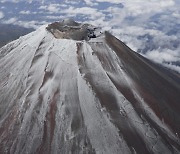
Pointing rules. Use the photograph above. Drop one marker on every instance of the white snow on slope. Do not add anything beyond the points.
(48, 103)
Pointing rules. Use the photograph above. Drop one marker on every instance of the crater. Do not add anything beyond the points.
(70, 29)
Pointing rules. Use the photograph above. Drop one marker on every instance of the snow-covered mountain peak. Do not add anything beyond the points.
(69, 29)
(77, 94)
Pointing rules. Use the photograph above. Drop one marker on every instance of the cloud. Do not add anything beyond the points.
(176, 14)
(25, 12)
(173, 67)
(72, 2)
(110, 1)
(51, 17)
(163, 56)
(13, 1)
(31, 24)
(139, 7)
(90, 2)
(166, 57)
(51, 8)
(92, 13)
(27, 24)
(10, 21)
(17, 1)
(1, 15)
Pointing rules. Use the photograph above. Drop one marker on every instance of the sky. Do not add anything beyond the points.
(150, 27)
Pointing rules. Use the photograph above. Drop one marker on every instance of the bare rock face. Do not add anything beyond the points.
(63, 92)
(69, 29)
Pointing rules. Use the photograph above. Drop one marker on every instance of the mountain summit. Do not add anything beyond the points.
(70, 88)
(69, 29)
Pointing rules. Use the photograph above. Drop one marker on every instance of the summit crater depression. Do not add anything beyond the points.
(69, 29)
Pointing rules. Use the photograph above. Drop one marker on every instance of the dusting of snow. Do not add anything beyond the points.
(60, 96)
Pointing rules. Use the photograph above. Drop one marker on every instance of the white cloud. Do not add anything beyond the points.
(172, 67)
(110, 1)
(13, 1)
(43, 7)
(25, 12)
(92, 13)
(27, 24)
(90, 2)
(176, 14)
(163, 56)
(1, 15)
(72, 2)
(31, 24)
(10, 21)
(51, 8)
(137, 7)
(16, 1)
(58, 18)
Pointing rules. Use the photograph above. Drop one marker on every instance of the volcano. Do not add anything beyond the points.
(71, 88)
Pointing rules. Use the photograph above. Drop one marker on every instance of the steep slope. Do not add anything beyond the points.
(77, 96)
